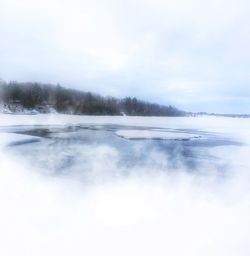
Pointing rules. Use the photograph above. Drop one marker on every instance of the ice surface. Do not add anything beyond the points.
(151, 134)
(236, 126)
(15, 139)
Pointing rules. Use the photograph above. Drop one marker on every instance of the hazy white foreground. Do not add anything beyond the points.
(149, 212)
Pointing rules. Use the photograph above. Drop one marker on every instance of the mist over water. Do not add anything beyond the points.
(83, 190)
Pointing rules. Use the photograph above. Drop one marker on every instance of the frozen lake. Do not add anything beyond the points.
(81, 185)
(69, 149)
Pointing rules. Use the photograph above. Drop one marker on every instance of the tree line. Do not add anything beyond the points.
(42, 97)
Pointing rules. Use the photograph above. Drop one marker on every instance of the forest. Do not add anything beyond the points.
(16, 96)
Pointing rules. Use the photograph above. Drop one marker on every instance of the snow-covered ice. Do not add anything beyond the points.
(151, 134)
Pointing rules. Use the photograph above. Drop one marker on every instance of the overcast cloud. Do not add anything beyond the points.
(193, 54)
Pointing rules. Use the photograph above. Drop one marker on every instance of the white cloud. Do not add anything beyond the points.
(125, 46)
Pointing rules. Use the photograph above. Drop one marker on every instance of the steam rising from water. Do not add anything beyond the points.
(119, 209)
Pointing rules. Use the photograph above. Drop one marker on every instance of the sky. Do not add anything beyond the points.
(189, 53)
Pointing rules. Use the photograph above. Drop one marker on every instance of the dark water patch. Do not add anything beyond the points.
(23, 142)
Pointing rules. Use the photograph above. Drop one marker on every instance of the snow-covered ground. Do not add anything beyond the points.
(151, 211)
